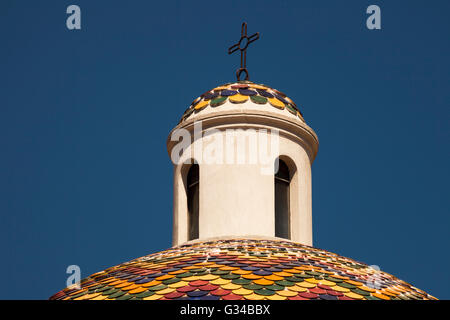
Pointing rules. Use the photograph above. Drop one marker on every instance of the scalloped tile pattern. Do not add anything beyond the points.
(242, 269)
(239, 92)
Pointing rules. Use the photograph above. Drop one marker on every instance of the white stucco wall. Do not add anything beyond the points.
(238, 199)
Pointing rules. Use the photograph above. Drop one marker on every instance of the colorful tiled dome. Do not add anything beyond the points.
(240, 92)
(242, 269)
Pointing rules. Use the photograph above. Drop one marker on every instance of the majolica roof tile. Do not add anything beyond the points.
(242, 269)
(240, 92)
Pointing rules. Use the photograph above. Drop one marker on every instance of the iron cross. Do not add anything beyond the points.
(242, 46)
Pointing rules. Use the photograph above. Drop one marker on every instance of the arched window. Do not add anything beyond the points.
(282, 210)
(192, 198)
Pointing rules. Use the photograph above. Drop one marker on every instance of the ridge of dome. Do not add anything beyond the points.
(242, 269)
(239, 92)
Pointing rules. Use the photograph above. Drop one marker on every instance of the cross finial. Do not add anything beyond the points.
(242, 46)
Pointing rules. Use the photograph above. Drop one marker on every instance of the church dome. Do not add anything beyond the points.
(242, 269)
(242, 96)
(217, 203)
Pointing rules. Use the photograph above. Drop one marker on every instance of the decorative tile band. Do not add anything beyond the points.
(240, 92)
(242, 269)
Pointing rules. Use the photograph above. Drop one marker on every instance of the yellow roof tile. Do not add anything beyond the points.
(388, 293)
(327, 283)
(312, 280)
(149, 284)
(228, 268)
(296, 288)
(107, 280)
(165, 291)
(276, 297)
(283, 274)
(355, 283)
(340, 289)
(208, 277)
(178, 284)
(287, 293)
(353, 295)
(192, 278)
(273, 277)
(339, 277)
(380, 296)
(238, 98)
(366, 288)
(263, 282)
(293, 270)
(90, 296)
(116, 282)
(165, 277)
(190, 268)
(254, 296)
(130, 287)
(220, 281)
(276, 103)
(305, 284)
(230, 286)
(240, 271)
(177, 272)
(201, 105)
(153, 297)
(242, 291)
(138, 290)
(124, 284)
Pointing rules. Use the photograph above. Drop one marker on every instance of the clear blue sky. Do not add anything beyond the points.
(84, 115)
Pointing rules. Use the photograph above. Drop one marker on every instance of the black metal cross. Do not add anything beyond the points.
(242, 46)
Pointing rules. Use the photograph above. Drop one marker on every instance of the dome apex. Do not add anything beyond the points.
(234, 95)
